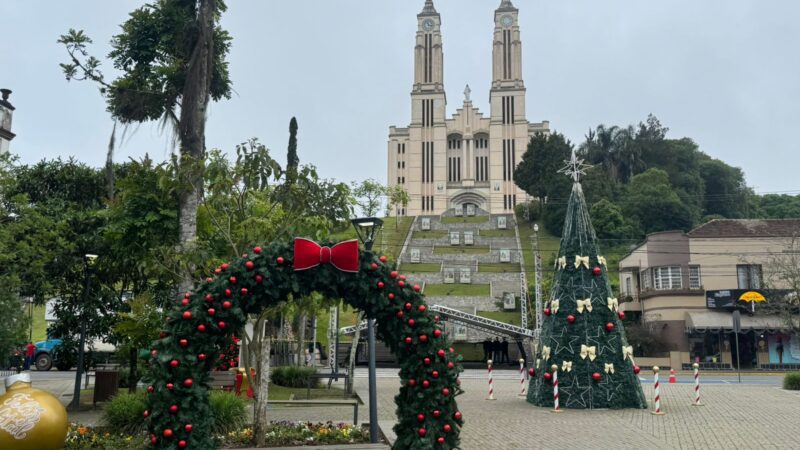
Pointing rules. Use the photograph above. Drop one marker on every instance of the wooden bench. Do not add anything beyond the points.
(225, 381)
(349, 402)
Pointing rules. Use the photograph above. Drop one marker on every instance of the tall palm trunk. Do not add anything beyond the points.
(192, 128)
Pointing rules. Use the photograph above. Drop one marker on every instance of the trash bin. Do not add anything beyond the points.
(106, 384)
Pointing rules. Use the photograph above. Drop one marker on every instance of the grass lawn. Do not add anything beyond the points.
(460, 250)
(502, 316)
(432, 234)
(39, 324)
(465, 290)
(498, 267)
(422, 267)
(498, 233)
(283, 393)
(390, 239)
(475, 219)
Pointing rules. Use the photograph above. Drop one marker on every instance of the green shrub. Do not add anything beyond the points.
(792, 381)
(124, 412)
(228, 410)
(294, 376)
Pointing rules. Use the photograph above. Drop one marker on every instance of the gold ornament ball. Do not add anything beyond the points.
(655, 369)
(30, 419)
(554, 367)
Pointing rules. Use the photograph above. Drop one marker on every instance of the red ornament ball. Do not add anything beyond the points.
(597, 271)
(609, 326)
(228, 293)
(153, 353)
(188, 428)
(173, 409)
(221, 325)
(437, 333)
(226, 305)
(547, 311)
(447, 428)
(391, 296)
(383, 259)
(181, 444)
(209, 280)
(411, 323)
(201, 357)
(146, 413)
(401, 284)
(163, 334)
(450, 365)
(422, 308)
(426, 361)
(436, 413)
(436, 319)
(435, 374)
(422, 432)
(201, 328)
(420, 417)
(232, 280)
(596, 376)
(571, 318)
(209, 298)
(256, 250)
(441, 353)
(174, 363)
(408, 306)
(380, 285)
(168, 433)
(150, 389)
(153, 440)
(393, 274)
(259, 279)
(408, 341)
(187, 315)
(457, 415)
(243, 291)
(637, 369)
(445, 392)
(531, 372)
(249, 265)
(423, 338)
(373, 266)
(399, 314)
(412, 382)
(403, 277)
(280, 260)
(211, 312)
(217, 271)
(184, 343)
(170, 386)
(417, 288)
(621, 315)
(440, 440)
(224, 266)
(188, 382)
(185, 302)
(426, 384)
(547, 376)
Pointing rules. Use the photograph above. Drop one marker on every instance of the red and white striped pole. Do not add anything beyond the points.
(696, 385)
(556, 409)
(521, 378)
(657, 394)
(491, 383)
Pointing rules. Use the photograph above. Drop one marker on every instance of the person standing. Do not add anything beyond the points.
(504, 348)
(496, 350)
(30, 350)
(487, 349)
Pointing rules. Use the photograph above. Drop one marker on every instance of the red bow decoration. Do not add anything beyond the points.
(308, 254)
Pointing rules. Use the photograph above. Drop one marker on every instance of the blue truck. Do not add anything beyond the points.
(46, 354)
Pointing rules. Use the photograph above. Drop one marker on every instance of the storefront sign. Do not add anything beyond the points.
(732, 298)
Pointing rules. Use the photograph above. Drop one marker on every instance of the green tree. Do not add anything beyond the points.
(651, 202)
(725, 189)
(537, 173)
(609, 221)
(369, 196)
(777, 206)
(582, 328)
(398, 198)
(172, 55)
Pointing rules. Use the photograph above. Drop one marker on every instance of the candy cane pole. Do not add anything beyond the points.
(521, 378)
(556, 409)
(657, 394)
(696, 385)
(491, 383)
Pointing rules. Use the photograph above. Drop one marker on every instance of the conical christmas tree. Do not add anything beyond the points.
(582, 332)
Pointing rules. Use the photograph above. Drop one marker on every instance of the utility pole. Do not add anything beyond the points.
(537, 259)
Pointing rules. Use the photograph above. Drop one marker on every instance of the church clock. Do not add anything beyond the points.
(507, 21)
(428, 25)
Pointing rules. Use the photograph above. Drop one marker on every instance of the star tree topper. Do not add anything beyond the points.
(575, 167)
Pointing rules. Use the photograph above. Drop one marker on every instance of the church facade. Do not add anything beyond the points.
(465, 161)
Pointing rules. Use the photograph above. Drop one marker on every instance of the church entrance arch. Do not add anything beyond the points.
(202, 324)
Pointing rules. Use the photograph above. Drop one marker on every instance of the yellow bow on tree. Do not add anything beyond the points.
(610, 368)
(602, 260)
(584, 304)
(613, 304)
(627, 352)
(566, 366)
(546, 352)
(581, 260)
(561, 262)
(591, 352)
(554, 306)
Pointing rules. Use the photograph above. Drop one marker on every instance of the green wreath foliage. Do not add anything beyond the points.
(200, 327)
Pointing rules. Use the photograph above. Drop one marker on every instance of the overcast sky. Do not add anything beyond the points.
(725, 73)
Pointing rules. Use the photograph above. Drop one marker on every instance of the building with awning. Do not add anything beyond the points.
(683, 287)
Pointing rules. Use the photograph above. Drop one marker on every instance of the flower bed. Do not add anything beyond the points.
(286, 433)
(80, 437)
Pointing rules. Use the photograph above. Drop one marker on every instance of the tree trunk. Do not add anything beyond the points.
(301, 340)
(192, 129)
(260, 419)
(132, 375)
(351, 366)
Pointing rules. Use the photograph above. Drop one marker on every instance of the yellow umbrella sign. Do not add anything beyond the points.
(752, 297)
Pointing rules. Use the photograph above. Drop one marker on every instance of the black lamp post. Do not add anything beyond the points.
(88, 268)
(366, 229)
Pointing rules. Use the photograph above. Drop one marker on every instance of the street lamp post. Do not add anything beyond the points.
(88, 265)
(366, 229)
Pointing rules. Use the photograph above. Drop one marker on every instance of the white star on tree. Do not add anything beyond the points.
(575, 167)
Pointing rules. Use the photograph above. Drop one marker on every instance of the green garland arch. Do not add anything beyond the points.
(202, 323)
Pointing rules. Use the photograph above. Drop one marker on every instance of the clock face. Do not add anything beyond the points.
(428, 25)
(507, 21)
